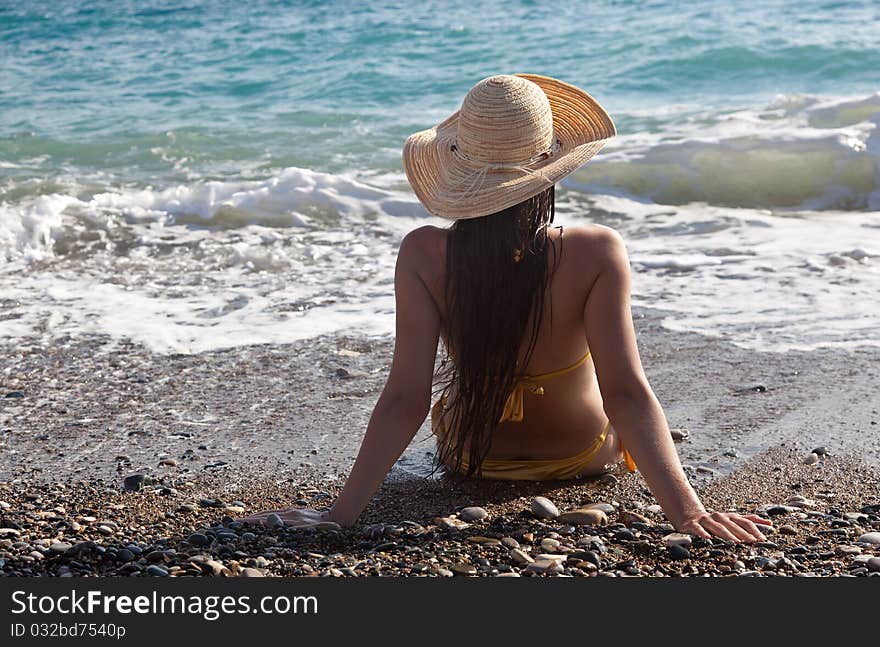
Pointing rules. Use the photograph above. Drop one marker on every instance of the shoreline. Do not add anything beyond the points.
(88, 412)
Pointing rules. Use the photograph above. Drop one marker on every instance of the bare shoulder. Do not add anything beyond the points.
(423, 249)
(596, 245)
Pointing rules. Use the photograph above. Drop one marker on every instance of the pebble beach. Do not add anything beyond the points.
(826, 522)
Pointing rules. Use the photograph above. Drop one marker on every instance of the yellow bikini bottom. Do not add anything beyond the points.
(532, 469)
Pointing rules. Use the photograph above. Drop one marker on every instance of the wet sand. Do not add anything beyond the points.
(85, 412)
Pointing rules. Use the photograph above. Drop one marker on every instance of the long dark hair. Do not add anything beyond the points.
(490, 300)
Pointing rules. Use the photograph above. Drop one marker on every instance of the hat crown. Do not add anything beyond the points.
(504, 119)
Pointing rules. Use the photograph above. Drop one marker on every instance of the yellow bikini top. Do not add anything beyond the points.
(513, 408)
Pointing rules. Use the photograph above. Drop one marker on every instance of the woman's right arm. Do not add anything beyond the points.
(630, 402)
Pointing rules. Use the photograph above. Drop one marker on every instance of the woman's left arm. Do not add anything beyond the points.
(405, 399)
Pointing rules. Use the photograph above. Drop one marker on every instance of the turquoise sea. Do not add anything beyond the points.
(210, 173)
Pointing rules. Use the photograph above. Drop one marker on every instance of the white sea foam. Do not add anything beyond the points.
(758, 279)
(31, 229)
(204, 265)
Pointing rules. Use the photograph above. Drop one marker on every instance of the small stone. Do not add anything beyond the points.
(464, 569)
(775, 510)
(125, 555)
(801, 502)
(233, 509)
(444, 572)
(820, 451)
(198, 539)
(546, 566)
(624, 535)
(786, 529)
(550, 545)
(60, 547)
(9, 532)
(15, 394)
(134, 482)
(510, 542)
(677, 539)
(274, 520)
(627, 518)
(857, 517)
(473, 513)
(677, 551)
(168, 462)
(510, 574)
(520, 557)
(870, 538)
(654, 509)
(608, 479)
(157, 571)
(679, 434)
(451, 523)
(217, 568)
(251, 572)
(585, 517)
(484, 541)
(543, 508)
(873, 564)
(811, 459)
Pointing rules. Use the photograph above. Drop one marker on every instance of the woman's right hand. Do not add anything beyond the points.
(726, 525)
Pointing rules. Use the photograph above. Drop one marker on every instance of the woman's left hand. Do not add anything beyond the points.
(294, 517)
(726, 525)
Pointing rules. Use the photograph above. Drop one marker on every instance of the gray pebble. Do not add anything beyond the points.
(464, 569)
(134, 482)
(60, 547)
(274, 521)
(157, 571)
(520, 557)
(251, 572)
(473, 513)
(198, 539)
(677, 551)
(543, 508)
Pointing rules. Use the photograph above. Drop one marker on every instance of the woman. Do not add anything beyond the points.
(542, 378)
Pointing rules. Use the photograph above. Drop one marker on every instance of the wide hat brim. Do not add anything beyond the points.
(447, 185)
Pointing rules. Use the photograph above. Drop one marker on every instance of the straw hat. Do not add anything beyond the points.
(514, 136)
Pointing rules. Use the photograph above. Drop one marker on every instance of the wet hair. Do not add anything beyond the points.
(491, 298)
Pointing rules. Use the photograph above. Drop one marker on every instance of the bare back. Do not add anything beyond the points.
(569, 415)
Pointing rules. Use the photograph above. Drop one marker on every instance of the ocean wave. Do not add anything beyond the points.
(37, 227)
(798, 153)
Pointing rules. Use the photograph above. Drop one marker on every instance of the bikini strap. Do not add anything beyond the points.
(540, 376)
(513, 406)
